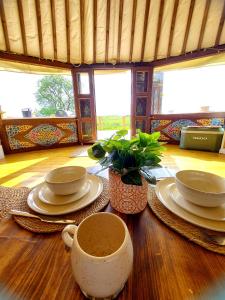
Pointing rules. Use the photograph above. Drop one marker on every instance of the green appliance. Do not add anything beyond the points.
(206, 138)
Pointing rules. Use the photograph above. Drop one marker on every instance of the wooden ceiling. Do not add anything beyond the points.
(110, 31)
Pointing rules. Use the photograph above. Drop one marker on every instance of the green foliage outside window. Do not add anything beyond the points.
(55, 94)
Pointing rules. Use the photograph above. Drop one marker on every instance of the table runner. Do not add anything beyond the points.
(16, 198)
(192, 232)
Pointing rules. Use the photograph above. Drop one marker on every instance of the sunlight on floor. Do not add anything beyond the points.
(29, 168)
(10, 167)
(25, 177)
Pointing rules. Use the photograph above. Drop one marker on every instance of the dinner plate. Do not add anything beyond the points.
(163, 193)
(47, 196)
(212, 213)
(33, 201)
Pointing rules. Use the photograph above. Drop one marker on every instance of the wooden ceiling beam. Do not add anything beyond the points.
(120, 29)
(107, 31)
(95, 8)
(147, 6)
(204, 20)
(34, 60)
(189, 56)
(54, 28)
(190, 14)
(166, 61)
(4, 25)
(159, 28)
(173, 23)
(22, 26)
(81, 31)
(38, 14)
(132, 29)
(67, 12)
(220, 28)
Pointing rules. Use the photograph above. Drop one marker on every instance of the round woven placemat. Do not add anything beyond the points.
(191, 232)
(16, 198)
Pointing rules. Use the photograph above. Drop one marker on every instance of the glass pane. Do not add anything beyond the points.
(85, 108)
(83, 83)
(87, 130)
(35, 95)
(140, 124)
(157, 92)
(141, 81)
(141, 106)
(194, 90)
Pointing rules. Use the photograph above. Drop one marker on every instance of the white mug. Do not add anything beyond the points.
(102, 254)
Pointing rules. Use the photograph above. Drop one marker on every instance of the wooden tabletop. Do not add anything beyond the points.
(166, 265)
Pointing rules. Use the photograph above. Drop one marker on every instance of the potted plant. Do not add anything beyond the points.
(127, 161)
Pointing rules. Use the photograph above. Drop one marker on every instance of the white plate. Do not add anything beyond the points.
(212, 213)
(37, 205)
(163, 193)
(47, 196)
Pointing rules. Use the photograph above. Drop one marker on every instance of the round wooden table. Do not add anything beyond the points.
(166, 265)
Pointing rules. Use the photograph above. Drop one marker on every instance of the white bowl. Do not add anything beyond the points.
(201, 188)
(66, 180)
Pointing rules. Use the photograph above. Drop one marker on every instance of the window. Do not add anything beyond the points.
(189, 90)
(24, 95)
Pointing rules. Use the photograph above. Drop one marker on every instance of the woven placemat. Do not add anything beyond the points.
(16, 198)
(191, 232)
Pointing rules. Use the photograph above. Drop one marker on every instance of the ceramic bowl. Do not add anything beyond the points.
(201, 188)
(66, 180)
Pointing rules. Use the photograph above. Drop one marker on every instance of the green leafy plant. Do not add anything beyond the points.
(129, 158)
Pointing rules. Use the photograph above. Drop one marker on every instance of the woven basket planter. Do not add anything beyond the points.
(125, 198)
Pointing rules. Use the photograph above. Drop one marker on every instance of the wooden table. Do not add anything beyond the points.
(166, 265)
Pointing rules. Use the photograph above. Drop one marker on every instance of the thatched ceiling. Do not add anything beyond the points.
(110, 31)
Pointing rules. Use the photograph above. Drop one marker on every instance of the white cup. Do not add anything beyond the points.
(102, 254)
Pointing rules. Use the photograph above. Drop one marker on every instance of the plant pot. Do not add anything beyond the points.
(125, 198)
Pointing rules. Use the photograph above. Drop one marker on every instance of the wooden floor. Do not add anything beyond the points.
(28, 169)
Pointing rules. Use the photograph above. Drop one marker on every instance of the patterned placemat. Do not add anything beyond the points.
(191, 232)
(16, 198)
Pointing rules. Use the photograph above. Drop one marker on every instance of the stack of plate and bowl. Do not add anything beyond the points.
(195, 196)
(65, 190)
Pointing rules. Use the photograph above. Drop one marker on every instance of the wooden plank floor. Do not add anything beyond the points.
(29, 168)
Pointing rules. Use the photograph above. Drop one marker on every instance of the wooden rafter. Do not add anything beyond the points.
(4, 25)
(54, 28)
(82, 31)
(94, 29)
(220, 28)
(190, 14)
(159, 28)
(67, 10)
(120, 29)
(132, 29)
(147, 5)
(22, 26)
(204, 20)
(107, 31)
(173, 22)
(38, 14)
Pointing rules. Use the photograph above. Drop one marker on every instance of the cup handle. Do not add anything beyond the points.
(67, 232)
